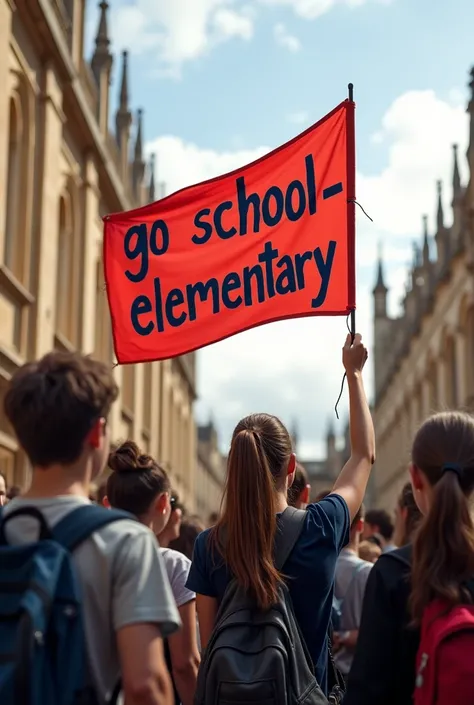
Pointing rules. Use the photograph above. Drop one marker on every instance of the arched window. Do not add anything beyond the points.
(450, 374)
(433, 387)
(103, 330)
(69, 263)
(469, 372)
(15, 241)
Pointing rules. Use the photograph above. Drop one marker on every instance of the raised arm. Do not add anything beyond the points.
(352, 481)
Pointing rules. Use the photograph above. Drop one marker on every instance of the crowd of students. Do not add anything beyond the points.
(171, 609)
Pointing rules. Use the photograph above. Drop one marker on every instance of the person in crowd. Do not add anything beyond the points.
(171, 529)
(190, 529)
(369, 551)
(378, 522)
(407, 517)
(3, 490)
(213, 519)
(351, 577)
(322, 494)
(140, 486)
(13, 492)
(300, 491)
(58, 407)
(404, 582)
(260, 468)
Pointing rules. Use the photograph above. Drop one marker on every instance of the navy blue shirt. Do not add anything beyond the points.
(310, 567)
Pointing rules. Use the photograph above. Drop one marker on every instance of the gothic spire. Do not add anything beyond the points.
(470, 110)
(151, 186)
(440, 214)
(138, 166)
(426, 243)
(330, 435)
(123, 104)
(123, 118)
(416, 255)
(101, 56)
(380, 283)
(139, 138)
(456, 175)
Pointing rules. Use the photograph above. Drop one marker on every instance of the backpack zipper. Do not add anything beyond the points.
(419, 675)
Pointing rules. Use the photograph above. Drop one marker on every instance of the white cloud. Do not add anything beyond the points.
(176, 31)
(173, 32)
(299, 117)
(285, 39)
(313, 9)
(292, 368)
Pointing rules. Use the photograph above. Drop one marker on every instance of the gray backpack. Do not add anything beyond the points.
(256, 657)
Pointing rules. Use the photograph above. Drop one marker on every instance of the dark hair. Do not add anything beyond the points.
(176, 504)
(102, 491)
(299, 484)
(136, 480)
(258, 458)
(413, 514)
(443, 547)
(376, 539)
(190, 529)
(382, 519)
(322, 494)
(53, 404)
(213, 518)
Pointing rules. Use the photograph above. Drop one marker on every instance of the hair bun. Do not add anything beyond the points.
(128, 457)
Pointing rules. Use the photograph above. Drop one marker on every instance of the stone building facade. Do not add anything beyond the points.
(61, 169)
(424, 359)
(323, 473)
(210, 472)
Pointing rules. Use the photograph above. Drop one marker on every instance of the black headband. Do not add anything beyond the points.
(453, 467)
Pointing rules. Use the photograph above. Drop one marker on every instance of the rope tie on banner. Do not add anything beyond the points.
(352, 200)
(351, 316)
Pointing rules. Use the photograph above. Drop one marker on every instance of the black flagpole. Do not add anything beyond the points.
(350, 88)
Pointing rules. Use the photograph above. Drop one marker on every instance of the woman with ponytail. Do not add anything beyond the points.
(140, 486)
(428, 577)
(260, 469)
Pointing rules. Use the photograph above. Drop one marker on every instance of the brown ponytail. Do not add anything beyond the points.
(244, 535)
(443, 548)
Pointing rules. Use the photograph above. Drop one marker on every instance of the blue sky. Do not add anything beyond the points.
(223, 81)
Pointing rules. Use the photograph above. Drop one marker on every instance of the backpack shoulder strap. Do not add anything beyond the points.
(79, 524)
(290, 528)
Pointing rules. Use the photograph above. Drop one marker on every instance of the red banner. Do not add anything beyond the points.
(269, 241)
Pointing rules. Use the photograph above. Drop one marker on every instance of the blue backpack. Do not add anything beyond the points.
(43, 658)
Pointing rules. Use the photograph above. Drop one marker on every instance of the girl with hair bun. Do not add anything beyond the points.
(260, 469)
(139, 485)
(415, 592)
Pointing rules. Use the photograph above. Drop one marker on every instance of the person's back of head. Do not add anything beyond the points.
(173, 526)
(379, 521)
(300, 490)
(139, 485)
(190, 529)
(3, 489)
(259, 464)
(58, 407)
(442, 473)
(408, 516)
(213, 519)
(13, 492)
(369, 551)
(322, 494)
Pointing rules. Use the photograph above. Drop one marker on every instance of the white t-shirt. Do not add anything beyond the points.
(123, 580)
(178, 566)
